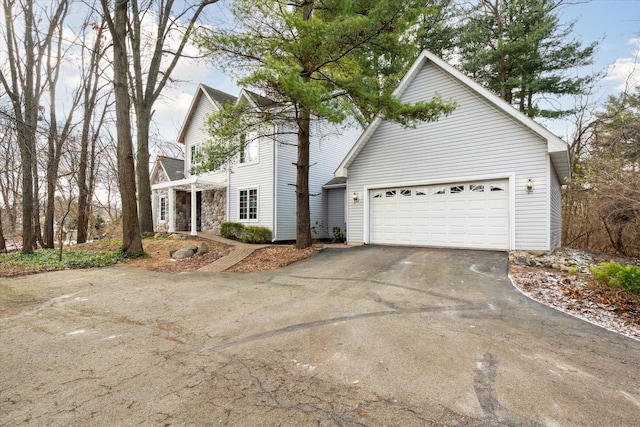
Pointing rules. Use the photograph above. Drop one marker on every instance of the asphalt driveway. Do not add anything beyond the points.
(361, 336)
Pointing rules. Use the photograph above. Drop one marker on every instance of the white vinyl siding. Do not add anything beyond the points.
(556, 211)
(475, 140)
(336, 210)
(254, 175)
(329, 146)
(285, 188)
(196, 133)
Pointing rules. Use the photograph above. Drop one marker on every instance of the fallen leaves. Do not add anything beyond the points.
(272, 258)
(579, 295)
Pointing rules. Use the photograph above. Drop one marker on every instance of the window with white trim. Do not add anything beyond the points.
(248, 208)
(249, 149)
(162, 209)
(194, 157)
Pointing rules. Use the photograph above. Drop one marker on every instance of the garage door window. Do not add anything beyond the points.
(377, 195)
(439, 190)
(390, 193)
(476, 188)
(496, 187)
(457, 189)
(405, 192)
(421, 192)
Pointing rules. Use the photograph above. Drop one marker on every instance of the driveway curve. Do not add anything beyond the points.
(364, 336)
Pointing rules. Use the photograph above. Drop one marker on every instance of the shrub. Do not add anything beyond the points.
(613, 274)
(256, 234)
(231, 230)
(338, 235)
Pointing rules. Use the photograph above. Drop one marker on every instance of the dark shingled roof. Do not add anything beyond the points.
(259, 99)
(336, 181)
(218, 96)
(173, 167)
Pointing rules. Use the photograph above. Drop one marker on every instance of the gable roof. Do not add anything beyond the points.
(258, 100)
(173, 168)
(556, 147)
(215, 96)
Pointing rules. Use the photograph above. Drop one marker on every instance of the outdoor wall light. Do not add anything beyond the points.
(354, 197)
(529, 186)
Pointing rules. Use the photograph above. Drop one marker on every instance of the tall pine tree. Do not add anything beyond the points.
(520, 50)
(316, 58)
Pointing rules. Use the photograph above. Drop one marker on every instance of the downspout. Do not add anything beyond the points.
(275, 184)
(228, 193)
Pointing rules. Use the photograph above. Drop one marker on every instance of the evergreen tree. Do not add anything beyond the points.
(315, 59)
(520, 50)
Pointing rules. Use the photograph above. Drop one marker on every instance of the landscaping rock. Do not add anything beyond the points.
(183, 253)
(203, 248)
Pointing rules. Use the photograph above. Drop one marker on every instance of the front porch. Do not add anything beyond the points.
(197, 203)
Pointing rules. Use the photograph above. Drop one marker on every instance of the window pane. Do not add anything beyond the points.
(243, 204)
(253, 204)
(405, 192)
(457, 189)
(390, 193)
(248, 149)
(248, 204)
(477, 188)
(163, 208)
(439, 190)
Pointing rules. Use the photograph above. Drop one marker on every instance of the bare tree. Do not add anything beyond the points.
(131, 238)
(93, 119)
(58, 134)
(10, 172)
(23, 78)
(151, 72)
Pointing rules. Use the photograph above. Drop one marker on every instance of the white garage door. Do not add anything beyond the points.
(462, 215)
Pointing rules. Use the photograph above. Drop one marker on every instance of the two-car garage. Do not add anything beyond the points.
(462, 214)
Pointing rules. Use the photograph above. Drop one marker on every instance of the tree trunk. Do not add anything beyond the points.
(303, 213)
(143, 118)
(24, 138)
(3, 243)
(37, 228)
(53, 163)
(131, 239)
(83, 190)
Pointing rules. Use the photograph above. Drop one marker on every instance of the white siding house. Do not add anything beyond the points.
(484, 177)
(257, 188)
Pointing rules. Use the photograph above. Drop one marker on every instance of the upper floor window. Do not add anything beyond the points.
(195, 156)
(248, 149)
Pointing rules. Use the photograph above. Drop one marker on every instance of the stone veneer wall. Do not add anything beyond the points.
(214, 210)
(183, 211)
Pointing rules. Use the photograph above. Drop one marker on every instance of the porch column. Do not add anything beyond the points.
(154, 209)
(194, 210)
(171, 206)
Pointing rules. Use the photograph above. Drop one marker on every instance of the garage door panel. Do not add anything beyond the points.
(453, 215)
